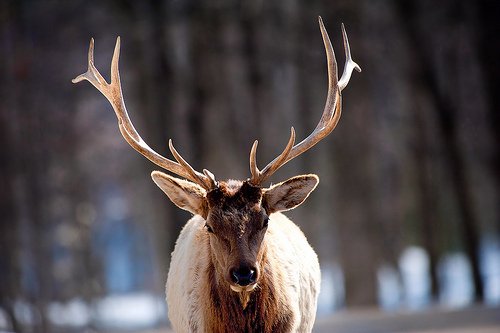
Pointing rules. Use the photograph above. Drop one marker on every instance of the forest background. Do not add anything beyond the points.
(407, 213)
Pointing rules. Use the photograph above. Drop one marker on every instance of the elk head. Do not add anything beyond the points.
(236, 213)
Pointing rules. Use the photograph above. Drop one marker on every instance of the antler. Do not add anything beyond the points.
(113, 92)
(328, 121)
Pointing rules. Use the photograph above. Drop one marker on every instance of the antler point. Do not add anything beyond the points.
(118, 42)
(77, 79)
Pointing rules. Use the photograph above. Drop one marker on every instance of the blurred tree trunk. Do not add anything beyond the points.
(427, 197)
(22, 183)
(489, 50)
(10, 245)
(39, 231)
(426, 79)
(10, 288)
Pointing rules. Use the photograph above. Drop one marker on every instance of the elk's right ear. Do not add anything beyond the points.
(184, 194)
(289, 194)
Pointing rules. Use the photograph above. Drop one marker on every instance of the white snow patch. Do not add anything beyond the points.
(74, 313)
(455, 279)
(129, 311)
(414, 266)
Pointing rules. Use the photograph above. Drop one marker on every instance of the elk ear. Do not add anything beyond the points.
(184, 194)
(289, 194)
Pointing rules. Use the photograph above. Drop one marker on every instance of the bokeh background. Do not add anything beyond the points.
(407, 213)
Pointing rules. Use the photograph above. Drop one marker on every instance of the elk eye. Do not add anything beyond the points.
(209, 228)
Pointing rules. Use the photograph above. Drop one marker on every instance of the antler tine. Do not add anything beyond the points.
(254, 170)
(113, 92)
(270, 168)
(350, 65)
(92, 74)
(207, 178)
(329, 118)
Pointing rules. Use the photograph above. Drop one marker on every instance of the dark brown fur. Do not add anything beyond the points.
(236, 206)
(234, 194)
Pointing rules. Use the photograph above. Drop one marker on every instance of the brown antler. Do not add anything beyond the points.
(328, 121)
(113, 92)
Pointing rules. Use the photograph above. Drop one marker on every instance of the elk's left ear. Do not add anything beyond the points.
(289, 194)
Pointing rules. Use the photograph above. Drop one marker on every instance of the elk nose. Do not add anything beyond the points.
(243, 275)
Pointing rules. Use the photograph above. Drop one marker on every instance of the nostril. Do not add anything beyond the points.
(251, 276)
(243, 275)
(234, 276)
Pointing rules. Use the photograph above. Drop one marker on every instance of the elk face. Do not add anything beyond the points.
(237, 218)
(236, 225)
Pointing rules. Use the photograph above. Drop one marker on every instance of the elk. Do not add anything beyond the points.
(239, 264)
